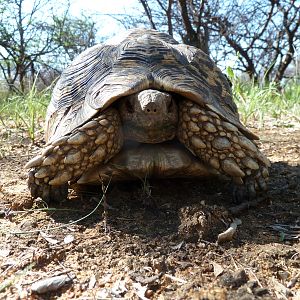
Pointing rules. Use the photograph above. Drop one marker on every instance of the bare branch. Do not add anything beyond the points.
(148, 13)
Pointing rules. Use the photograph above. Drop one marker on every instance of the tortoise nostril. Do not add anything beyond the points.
(151, 110)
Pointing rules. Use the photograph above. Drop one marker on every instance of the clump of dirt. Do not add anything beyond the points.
(200, 221)
(157, 242)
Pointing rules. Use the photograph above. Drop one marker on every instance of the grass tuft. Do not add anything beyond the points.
(24, 112)
(259, 102)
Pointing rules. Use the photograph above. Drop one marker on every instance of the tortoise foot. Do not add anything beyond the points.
(66, 159)
(246, 191)
(224, 147)
(49, 193)
(250, 186)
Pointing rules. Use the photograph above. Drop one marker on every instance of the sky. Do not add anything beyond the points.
(103, 6)
(107, 26)
(99, 10)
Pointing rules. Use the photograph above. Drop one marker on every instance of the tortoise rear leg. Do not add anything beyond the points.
(223, 147)
(67, 158)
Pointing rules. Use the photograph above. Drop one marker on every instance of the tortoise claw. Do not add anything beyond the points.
(243, 193)
(49, 193)
(249, 190)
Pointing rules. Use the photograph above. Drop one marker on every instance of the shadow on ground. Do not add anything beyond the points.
(155, 210)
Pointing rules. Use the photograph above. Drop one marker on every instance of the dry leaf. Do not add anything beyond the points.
(119, 288)
(4, 252)
(48, 238)
(68, 239)
(92, 281)
(50, 284)
(218, 269)
(178, 246)
(280, 289)
(140, 290)
(180, 280)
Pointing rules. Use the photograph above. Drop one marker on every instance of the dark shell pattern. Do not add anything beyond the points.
(142, 59)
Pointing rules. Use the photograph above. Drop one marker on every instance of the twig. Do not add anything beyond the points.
(7, 212)
(227, 235)
(254, 275)
(176, 279)
(105, 206)
(236, 210)
(293, 281)
(8, 282)
(65, 225)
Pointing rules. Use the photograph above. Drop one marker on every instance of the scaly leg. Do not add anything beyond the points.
(67, 158)
(224, 147)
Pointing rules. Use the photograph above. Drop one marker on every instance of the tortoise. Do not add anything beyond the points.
(140, 106)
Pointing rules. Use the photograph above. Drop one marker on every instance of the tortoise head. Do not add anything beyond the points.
(149, 116)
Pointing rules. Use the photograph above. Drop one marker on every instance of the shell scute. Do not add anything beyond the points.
(140, 60)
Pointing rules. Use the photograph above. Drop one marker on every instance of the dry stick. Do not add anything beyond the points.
(246, 268)
(293, 281)
(182, 281)
(254, 275)
(71, 223)
(236, 210)
(236, 265)
(8, 282)
(105, 206)
(8, 212)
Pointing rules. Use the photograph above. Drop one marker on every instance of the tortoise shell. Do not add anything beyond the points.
(142, 59)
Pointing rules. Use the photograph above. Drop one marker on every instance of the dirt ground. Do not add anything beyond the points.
(157, 240)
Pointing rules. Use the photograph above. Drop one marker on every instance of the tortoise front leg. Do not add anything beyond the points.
(67, 158)
(223, 147)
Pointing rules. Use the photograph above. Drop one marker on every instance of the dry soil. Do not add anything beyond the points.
(157, 240)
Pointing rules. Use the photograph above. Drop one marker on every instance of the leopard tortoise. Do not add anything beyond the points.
(144, 106)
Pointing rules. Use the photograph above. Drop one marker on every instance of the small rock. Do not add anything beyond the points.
(244, 293)
(209, 127)
(103, 294)
(4, 252)
(79, 248)
(159, 264)
(148, 293)
(252, 284)
(260, 291)
(50, 284)
(283, 275)
(235, 279)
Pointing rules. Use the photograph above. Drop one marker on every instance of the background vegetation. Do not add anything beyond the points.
(259, 39)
